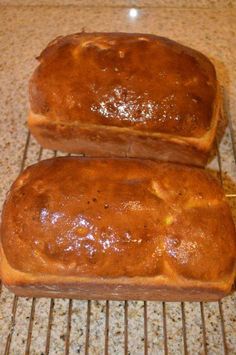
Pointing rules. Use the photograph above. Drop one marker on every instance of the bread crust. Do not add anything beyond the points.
(77, 106)
(137, 288)
(117, 229)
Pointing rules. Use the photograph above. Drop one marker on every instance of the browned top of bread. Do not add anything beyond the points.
(118, 217)
(142, 81)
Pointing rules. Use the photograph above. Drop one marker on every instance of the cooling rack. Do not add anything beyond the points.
(223, 343)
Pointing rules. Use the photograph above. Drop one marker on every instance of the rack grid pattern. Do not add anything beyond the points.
(106, 331)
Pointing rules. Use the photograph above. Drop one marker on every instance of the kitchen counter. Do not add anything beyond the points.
(24, 32)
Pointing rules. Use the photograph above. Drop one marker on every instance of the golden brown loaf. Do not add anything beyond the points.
(117, 229)
(120, 94)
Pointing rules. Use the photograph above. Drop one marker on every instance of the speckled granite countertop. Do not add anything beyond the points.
(24, 31)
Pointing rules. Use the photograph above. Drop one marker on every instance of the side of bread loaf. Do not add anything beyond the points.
(117, 229)
(120, 94)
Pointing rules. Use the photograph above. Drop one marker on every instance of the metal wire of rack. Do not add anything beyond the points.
(69, 310)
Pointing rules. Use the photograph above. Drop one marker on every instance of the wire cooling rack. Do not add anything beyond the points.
(222, 342)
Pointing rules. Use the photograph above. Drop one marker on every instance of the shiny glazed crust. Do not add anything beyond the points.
(117, 229)
(132, 95)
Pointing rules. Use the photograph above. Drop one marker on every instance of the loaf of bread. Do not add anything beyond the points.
(125, 95)
(117, 229)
